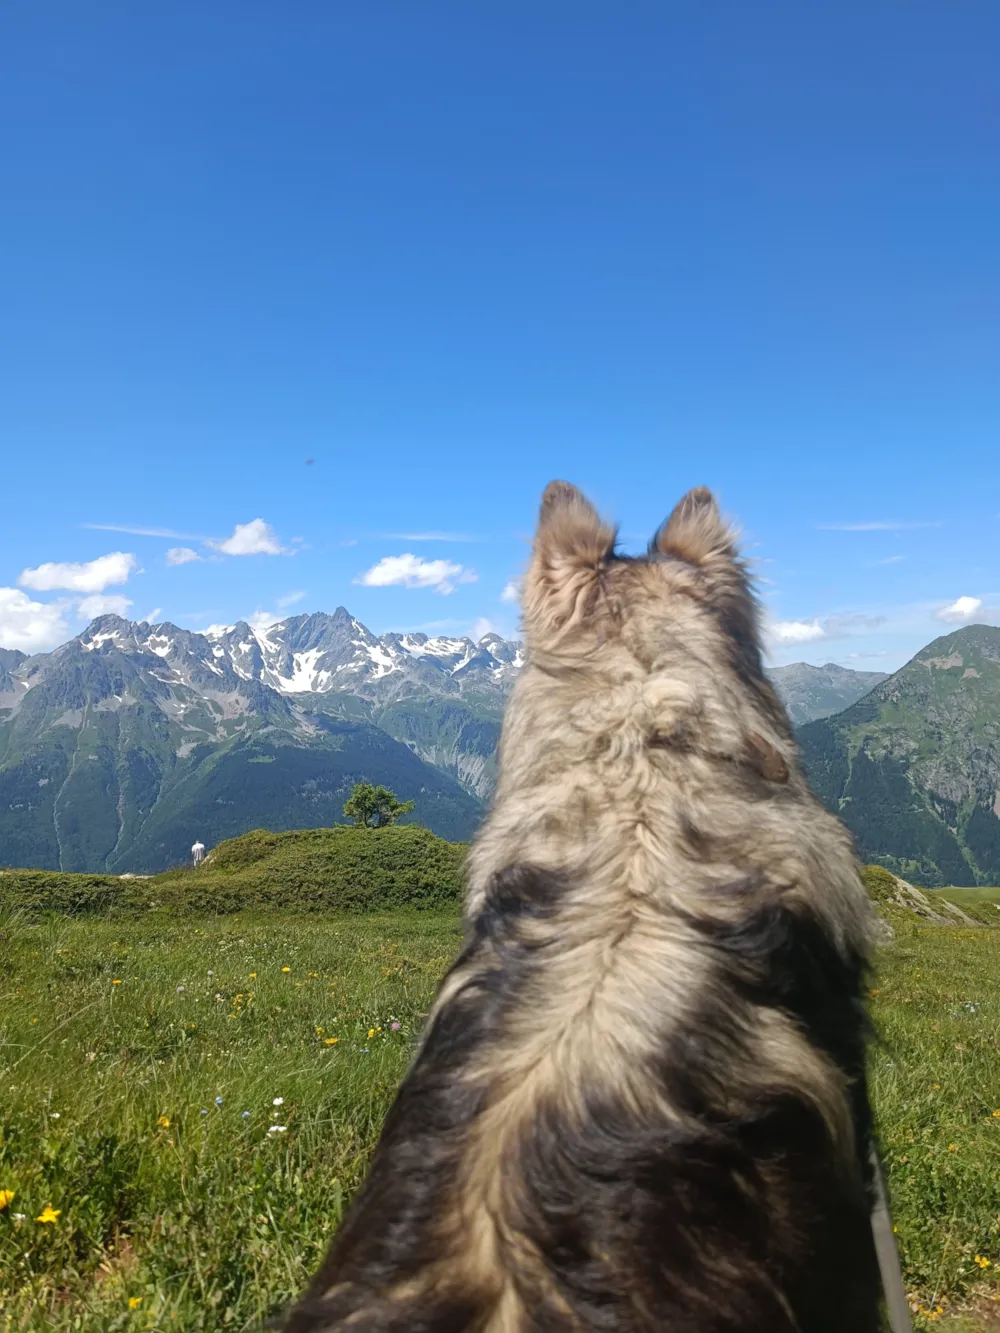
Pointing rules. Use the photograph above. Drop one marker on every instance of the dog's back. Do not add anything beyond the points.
(640, 1100)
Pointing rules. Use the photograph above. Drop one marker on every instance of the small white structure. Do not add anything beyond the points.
(198, 853)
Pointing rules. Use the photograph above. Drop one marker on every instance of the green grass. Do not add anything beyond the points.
(936, 1087)
(982, 894)
(214, 1222)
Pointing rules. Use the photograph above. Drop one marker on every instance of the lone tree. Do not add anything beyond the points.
(374, 807)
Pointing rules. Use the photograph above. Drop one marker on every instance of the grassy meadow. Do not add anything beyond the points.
(191, 1102)
(187, 1103)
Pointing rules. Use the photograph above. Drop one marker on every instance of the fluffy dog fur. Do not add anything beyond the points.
(640, 1100)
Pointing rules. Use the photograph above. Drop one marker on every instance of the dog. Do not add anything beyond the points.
(640, 1100)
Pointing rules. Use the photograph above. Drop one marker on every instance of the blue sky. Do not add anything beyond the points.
(448, 252)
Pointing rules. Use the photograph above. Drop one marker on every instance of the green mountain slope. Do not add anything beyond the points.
(914, 767)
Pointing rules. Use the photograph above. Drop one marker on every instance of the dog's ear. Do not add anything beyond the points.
(697, 533)
(572, 544)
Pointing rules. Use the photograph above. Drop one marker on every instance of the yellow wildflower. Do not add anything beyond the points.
(331, 1041)
(48, 1214)
(116, 982)
(5, 1198)
(982, 1261)
(953, 1147)
(253, 976)
(286, 969)
(996, 1115)
(164, 1122)
(936, 1087)
(134, 1302)
(371, 1033)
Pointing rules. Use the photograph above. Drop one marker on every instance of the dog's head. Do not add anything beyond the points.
(577, 582)
(678, 625)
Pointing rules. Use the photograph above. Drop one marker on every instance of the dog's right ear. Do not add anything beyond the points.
(696, 532)
(572, 545)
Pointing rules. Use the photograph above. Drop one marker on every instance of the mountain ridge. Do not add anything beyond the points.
(123, 744)
(913, 768)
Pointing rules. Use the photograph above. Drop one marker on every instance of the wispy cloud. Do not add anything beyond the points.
(135, 531)
(182, 555)
(151, 616)
(891, 560)
(263, 619)
(91, 577)
(103, 604)
(428, 537)
(959, 611)
(253, 538)
(289, 599)
(879, 525)
(840, 626)
(410, 571)
(511, 592)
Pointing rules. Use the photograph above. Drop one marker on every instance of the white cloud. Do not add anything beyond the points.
(181, 555)
(480, 628)
(94, 576)
(891, 560)
(511, 592)
(103, 604)
(958, 611)
(34, 627)
(410, 571)
(263, 619)
(795, 631)
(150, 616)
(142, 532)
(879, 525)
(289, 599)
(253, 538)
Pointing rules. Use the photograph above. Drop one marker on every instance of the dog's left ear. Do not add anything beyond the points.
(572, 544)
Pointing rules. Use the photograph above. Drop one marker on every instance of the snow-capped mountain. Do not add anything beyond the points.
(311, 654)
(118, 744)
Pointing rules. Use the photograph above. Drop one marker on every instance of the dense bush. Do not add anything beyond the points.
(339, 869)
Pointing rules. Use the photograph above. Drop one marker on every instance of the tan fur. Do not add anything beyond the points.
(639, 758)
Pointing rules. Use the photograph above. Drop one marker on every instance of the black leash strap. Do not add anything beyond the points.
(896, 1304)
